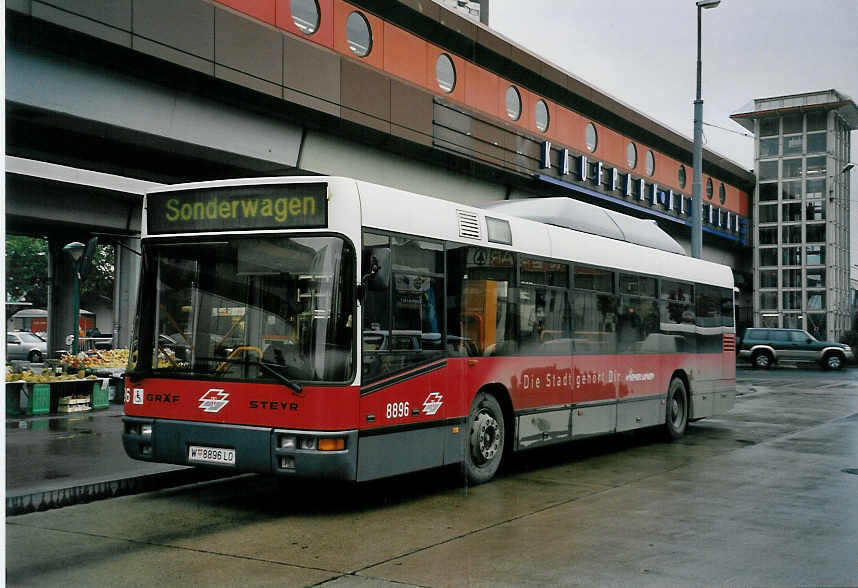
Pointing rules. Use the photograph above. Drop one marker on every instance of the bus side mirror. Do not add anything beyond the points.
(378, 274)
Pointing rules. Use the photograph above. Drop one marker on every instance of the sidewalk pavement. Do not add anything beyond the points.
(58, 460)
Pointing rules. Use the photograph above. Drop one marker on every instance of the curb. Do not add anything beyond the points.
(26, 501)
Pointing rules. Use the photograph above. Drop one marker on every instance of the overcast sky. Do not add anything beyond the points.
(644, 52)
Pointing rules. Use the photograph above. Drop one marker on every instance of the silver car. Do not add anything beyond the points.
(25, 345)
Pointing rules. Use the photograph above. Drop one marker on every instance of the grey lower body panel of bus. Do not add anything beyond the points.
(563, 423)
(256, 448)
(367, 456)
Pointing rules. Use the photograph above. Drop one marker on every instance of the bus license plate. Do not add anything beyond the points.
(216, 455)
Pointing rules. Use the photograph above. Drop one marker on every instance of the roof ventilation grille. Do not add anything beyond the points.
(469, 225)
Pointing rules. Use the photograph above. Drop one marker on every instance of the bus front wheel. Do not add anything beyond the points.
(677, 409)
(486, 439)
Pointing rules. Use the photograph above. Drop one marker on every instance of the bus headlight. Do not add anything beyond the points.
(146, 430)
(287, 442)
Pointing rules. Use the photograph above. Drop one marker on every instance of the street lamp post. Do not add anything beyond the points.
(75, 250)
(697, 161)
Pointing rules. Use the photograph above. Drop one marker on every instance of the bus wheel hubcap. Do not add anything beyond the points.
(485, 439)
(675, 411)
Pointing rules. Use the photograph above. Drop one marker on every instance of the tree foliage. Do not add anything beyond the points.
(27, 272)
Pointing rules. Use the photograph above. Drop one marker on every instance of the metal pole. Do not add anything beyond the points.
(76, 304)
(697, 160)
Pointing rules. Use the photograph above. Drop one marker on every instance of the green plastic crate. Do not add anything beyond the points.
(99, 395)
(40, 399)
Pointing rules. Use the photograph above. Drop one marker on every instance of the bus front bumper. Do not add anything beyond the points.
(264, 450)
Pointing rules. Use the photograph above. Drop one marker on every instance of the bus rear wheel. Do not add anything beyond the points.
(676, 419)
(486, 439)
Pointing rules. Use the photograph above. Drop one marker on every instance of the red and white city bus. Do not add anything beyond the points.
(328, 327)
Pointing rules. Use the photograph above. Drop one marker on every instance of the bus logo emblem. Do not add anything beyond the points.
(432, 403)
(214, 400)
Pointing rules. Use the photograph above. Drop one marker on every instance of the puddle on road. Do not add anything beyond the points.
(76, 427)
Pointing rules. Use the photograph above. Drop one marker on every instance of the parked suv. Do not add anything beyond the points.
(764, 347)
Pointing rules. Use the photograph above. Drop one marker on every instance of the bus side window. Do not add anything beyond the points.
(376, 313)
(481, 306)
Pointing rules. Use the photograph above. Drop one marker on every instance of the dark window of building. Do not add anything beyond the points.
(632, 156)
(358, 34)
(791, 213)
(709, 188)
(769, 147)
(816, 142)
(816, 325)
(769, 127)
(792, 145)
(791, 234)
(768, 170)
(769, 300)
(815, 167)
(815, 210)
(791, 190)
(815, 255)
(769, 279)
(792, 278)
(768, 256)
(791, 255)
(769, 236)
(650, 163)
(792, 124)
(816, 121)
(682, 177)
(816, 300)
(792, 168)
(445, 73)
(305, 15)
(768, 192)
(815, 188)
(815, 233)
(513, 103)
(792, 300)
(816, 278)
(541, 115)
(591, 137)
(769, 213)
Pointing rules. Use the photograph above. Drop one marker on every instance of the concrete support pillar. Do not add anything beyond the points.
(127, 279)
(60, 284)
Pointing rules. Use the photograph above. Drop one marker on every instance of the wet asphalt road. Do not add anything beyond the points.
(766, 495)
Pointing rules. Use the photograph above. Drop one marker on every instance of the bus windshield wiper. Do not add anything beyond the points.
(266, 367)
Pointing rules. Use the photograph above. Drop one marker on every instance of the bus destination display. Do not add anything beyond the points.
(277, 206)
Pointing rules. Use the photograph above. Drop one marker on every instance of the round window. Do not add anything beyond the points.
(650, 163)
(709, 188)
(305, 15)
(591, 137)
(541, 116)
(358, 34)
(682, 176)
(631, 155)
(722, 193)
(513, 103)
(445, 73)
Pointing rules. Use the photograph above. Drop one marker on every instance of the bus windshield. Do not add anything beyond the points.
(272, 308)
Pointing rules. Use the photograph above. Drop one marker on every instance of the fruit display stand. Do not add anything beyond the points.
(60, 396)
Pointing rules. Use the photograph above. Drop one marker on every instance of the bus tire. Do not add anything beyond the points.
(676, 419)
(486, 439)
